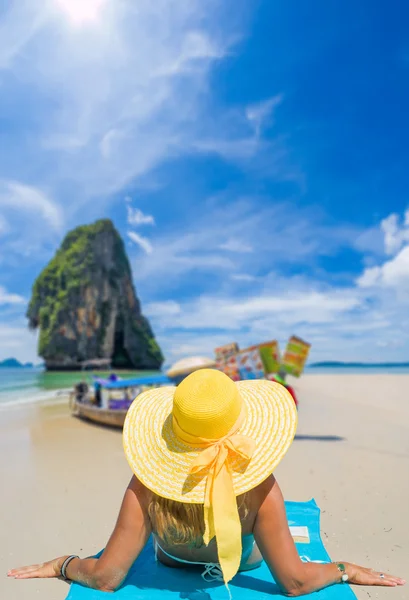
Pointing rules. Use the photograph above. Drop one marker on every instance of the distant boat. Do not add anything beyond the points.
(109, 400)
(113, 418)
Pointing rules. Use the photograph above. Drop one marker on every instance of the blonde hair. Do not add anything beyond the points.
(179, 523)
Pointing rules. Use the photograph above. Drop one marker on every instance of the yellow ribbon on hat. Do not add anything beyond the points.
(221, 515)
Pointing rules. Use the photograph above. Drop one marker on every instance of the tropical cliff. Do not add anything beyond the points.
(85, 306)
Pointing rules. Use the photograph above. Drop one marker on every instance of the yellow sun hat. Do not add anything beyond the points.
(206, 442)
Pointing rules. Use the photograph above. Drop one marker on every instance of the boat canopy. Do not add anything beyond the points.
(127, 383)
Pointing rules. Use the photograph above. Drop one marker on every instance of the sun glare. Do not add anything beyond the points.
(81, 11)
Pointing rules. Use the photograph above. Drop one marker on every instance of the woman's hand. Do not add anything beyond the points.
(362, 576)
(52, 568)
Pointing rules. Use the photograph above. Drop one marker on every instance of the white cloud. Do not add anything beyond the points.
(120, 88)
(17, 341)
(16, 196)
(7, 298)
(304, 306)
(4, 226)
(362, 322)
(370, 242)
(196, 45)
(236, 245)
(277, 234)
(109, 140)
(196, 246)
(243, 277)
(393, 273)
(136, 217)
(241, 149)
(122, 92)
(234, 313)
(32, 224)
(236, 136)
(360, 333)
(370, 277)
(340, 324)
(396, 234)
(347, 337)
(390, 343)
(141, 241)
(18, 26)
(169, 308)
(184, 344)
(260, 113)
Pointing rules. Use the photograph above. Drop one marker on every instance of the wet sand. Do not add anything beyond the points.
(63, 480)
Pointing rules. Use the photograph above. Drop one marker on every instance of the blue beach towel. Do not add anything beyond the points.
(149, 580)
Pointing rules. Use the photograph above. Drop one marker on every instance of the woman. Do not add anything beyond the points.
(202, 456)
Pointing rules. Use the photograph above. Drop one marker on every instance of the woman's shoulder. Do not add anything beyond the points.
(250, 503)
(140, 490)
(256, 496)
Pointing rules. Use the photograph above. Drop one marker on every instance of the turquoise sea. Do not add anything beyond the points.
(362, 370)
(23, 386)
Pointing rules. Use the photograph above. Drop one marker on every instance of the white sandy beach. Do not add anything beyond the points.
(63, 479)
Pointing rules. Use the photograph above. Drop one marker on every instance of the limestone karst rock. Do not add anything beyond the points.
(85, 306)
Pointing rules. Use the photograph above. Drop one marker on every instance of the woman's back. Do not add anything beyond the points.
(178, 529)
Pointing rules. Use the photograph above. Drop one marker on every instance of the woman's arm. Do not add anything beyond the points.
(276, 544)
(106, 573)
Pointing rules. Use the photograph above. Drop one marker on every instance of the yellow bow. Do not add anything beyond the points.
(221, 515)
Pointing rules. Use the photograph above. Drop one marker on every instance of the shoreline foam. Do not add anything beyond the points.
(43, 397)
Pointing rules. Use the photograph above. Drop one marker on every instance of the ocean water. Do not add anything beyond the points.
(23, 386)
(363, 370)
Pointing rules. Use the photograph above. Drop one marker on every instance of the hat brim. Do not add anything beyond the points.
(162, 462)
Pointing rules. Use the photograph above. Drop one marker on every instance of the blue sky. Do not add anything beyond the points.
(253, 155)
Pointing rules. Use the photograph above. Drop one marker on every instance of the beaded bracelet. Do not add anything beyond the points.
(65, 565)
